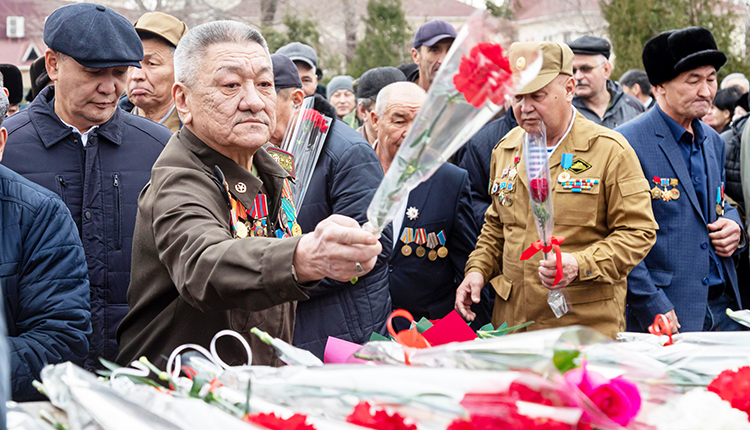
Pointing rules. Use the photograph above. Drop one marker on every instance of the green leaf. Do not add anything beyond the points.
(377, 337)
(564, 359)
(488, 327)
(423, 325)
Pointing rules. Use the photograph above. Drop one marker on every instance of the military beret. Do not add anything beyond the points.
(93, 35)
(590, 45)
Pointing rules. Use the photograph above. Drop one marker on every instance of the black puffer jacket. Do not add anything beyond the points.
(733, 138)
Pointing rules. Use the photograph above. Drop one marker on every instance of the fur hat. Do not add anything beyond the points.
(676, 51)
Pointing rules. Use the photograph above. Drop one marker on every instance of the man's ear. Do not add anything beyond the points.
(636, 89)
(180, 96)
(570, 88)
(374, 119)
(415, 55)
(51, 63)
(361, 112)
(298, 96)
(3, 139)
(607, 69)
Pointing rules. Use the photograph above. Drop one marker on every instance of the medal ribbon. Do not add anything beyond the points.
(441, 237)
(260, 207)
(537, 246)
(566, 161)
(432, 240)
(421, 236)
(407, 236)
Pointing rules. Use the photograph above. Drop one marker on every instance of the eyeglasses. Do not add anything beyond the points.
(586, 69)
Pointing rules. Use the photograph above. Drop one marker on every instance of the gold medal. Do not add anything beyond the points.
(564, 177)
(656, 193)
(432, 255)
(406, 250)
(666, 196)
(420, 251)
(675, 193)
(507, 202)
(241, 229)
(719, 209)
(296, 230)
(442, 252)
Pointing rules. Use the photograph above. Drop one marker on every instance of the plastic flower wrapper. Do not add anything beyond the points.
(536, 161)
(698, 410)
(472, 84)
(287, 353)
(741, 316)
(305, 143)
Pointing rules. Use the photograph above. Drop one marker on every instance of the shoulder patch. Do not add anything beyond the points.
(285, 159)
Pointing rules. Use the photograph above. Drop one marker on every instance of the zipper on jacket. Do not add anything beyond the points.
(61, 187)
(118, 209)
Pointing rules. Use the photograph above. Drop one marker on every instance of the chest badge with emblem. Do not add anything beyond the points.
(240, 187)
(579, 166)
(566, 161)
(412, 213)
(420, 239)
(407, 237)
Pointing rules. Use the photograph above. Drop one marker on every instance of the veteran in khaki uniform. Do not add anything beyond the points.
(601, 205)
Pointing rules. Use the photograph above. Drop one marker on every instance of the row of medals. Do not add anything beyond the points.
(441, 252)
(666, 194)
(503, 188)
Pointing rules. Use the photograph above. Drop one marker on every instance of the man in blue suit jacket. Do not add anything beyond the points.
(689, 275)
(434, 231)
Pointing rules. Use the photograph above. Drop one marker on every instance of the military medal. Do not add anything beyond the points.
(566, 160)
(720, 200)
(655, 193)
(420, 239)
(241, 230)
(442, 252)
(412, 213)
(675, 193)
(407, 237)
(432, 242)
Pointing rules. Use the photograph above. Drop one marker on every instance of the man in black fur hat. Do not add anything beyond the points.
(689, 274)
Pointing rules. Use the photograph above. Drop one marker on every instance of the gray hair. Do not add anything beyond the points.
(4, 105)
(366, 103)
(384, 96)
(733, 76)
(188, 57)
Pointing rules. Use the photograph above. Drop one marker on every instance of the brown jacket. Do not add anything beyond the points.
(190, 278)
(609, 229)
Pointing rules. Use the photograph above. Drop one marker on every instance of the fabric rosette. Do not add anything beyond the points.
(473, 83)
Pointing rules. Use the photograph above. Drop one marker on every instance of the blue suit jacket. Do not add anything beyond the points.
(675, 273)
(428, 288)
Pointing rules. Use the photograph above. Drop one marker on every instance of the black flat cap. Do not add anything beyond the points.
(374, 80)
(676, 51)
(13, 81)
(39, 77)
(590, 45)
(285, 73)
(94, 35)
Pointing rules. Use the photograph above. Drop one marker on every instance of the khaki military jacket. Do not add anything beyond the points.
(609, 228)
(190, 277)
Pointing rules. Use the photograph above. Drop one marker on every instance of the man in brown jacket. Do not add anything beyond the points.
(216, 244)
(607, 223)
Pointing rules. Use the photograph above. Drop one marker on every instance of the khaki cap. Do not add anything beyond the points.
(557, 58)
(166, 26)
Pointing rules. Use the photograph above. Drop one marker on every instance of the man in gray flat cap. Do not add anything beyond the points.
(74, 140)
(597, 97)
(306, 60)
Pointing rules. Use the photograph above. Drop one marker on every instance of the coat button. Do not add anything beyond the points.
(87, 214)
(588, 273)
(704, 245)
(282, 295)
(705, 281)
(390, 269)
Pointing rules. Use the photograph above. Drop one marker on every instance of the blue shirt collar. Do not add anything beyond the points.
(679, 131)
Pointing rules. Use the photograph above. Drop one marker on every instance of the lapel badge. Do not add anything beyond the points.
(240, 187)
(579, 166)
(412, 213)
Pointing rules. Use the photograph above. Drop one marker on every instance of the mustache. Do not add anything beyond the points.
(582, 83)
(260, 116)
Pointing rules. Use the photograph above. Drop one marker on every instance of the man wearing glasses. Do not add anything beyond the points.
(597, 97)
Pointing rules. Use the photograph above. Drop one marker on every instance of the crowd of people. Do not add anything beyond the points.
(145, 203)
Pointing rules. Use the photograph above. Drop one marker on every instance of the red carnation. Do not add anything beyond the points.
(271, 421)
(484, 74)
(316, 119)
(539, 189)
(362, 415)
(734, 387)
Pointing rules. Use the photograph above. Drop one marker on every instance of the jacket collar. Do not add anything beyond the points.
(52, 130)
(271, 174)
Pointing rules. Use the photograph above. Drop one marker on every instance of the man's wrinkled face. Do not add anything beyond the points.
(690, 95)
(150, 87)
(430, 58)
(591, 73)
(396, 122)
(233, 103)
(85, 96)
(308, 77)
(548, 105)
(344, 101)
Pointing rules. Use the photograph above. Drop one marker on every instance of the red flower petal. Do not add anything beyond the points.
(484, 74)
(380, 420)
(271, 421)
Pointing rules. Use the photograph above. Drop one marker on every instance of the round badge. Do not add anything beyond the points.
(406, 250)
(240, 187)
(259, 231)
(432, 255)
(507, 202)
(564, 177)
(675, 194)
(655, 193)
(296, 230)
(442, 252)
(420, 251)
(241, 230)
(520, 63)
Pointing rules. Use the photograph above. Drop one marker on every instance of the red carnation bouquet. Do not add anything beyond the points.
(734, 387)
(473, 83)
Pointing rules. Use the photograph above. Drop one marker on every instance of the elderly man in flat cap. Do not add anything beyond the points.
(601, 203)
(689, 275)
(368, 87)
(149, 88)
(74, 140)
(597, 97)
(217, 242)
